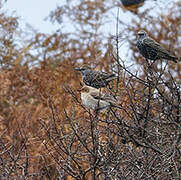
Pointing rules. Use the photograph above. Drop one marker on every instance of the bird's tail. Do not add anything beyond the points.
(174, 59)
(179, 59)
(116, 106)
(111, 78)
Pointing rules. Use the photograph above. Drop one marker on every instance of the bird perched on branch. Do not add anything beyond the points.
(96, 79)
(93, 99)
(152, 50)
(132, 5)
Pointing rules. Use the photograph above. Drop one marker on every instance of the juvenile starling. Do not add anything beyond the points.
(96, 79)
(93, 99)
(152, 50)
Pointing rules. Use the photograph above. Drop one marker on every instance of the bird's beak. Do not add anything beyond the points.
(77, 69)
(79, 90)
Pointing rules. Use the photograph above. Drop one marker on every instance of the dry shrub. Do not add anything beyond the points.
(47, 133)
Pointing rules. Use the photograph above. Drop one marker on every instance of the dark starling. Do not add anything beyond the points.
(96, 79)
(129, 3)
(132, 5)
(152, 50)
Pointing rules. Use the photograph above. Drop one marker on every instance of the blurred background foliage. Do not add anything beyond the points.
(38, 83)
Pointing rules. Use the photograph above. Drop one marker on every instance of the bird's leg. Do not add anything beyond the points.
(96, 111)
(149, 69)
(98, 103)
(149, 64)
(152, 63)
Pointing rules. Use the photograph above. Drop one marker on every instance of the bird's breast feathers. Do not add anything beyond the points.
(88, 101)
(92, 103)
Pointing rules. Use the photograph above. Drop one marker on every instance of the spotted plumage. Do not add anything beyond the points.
(96, 79)
(152, 50)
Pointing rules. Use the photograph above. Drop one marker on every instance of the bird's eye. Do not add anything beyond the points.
(142, 34)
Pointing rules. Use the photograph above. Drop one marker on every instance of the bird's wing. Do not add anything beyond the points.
(102, 75)
(98, 78)
(109, 98)
(154, 45)
(96, 95)
(105, 97)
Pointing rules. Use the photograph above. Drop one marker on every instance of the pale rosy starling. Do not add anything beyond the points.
(93, 99)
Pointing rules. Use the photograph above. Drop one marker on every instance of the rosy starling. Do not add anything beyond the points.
(93, 99)
(152, 50)
(96, 79)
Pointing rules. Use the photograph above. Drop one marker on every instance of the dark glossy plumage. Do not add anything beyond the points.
(152, 50)
(131, 2)
(96, 79)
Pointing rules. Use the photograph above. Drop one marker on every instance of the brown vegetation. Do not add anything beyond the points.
(45, 132)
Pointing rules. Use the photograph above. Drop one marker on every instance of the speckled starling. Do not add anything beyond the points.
(152, 50)
(93, 99)
(96, 79)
